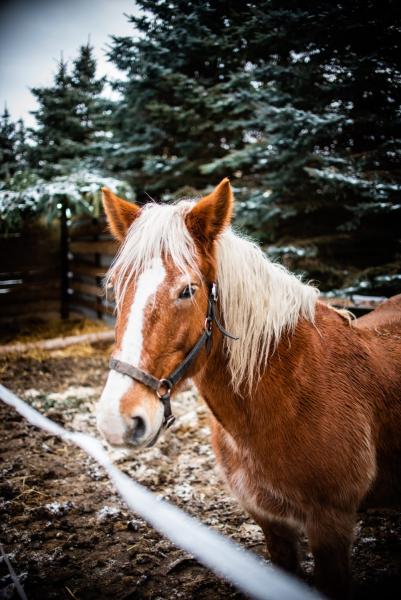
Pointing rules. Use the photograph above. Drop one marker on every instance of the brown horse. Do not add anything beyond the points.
(306, 404)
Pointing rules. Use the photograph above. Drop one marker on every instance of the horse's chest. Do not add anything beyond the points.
(247, 478)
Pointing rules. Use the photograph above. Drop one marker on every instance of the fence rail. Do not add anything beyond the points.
(30, 272)
(221, 555)
(91, 249)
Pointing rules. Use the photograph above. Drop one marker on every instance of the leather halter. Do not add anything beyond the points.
(163, 387)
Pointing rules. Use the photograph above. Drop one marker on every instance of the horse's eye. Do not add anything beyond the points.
(187, 292)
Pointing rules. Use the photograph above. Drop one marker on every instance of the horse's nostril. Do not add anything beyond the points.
(139, 429)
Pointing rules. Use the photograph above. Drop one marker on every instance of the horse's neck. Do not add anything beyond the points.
(298, 361)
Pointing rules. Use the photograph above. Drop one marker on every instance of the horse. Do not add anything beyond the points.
(305, 402)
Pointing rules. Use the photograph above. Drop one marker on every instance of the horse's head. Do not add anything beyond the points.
(161, 276)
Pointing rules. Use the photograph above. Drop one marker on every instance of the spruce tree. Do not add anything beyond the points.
(181, 105)
(8, 150)
(22, 147)
(58, 126)
(297, 102)
(69, 116)
(329, 90)
(92, 109)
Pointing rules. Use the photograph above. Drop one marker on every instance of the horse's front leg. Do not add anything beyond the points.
(282, 541)
(330, 537)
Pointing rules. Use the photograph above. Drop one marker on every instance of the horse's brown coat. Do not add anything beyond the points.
(319, 437)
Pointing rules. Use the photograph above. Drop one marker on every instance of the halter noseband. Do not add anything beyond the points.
(163, 387)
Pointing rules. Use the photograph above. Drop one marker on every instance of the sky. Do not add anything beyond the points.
(34, 33)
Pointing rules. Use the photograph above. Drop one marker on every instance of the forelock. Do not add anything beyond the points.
(159, 231)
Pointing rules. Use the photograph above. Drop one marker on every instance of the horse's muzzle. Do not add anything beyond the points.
(138, 436)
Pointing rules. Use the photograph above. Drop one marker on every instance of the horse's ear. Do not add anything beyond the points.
(120, 213)
(212, 214)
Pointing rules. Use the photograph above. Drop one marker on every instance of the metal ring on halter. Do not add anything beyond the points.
(208, 325)
(166, 383)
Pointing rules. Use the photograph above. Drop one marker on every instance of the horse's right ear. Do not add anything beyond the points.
(120, 213)
(211, 214)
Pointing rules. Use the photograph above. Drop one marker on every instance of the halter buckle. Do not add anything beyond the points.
(213, 292)
(167, 385)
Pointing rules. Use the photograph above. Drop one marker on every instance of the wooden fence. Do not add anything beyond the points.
(46, 271)
(56, 271)
(91, 250)
(30, 272)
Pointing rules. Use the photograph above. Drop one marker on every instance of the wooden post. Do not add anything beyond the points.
(65, 309)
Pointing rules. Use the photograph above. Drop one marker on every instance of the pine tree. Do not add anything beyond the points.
(8, 151)
(329, 86)
(57, 123)
(69, 115)
(297, 102)
(181, 105)
(318, 159)
(91, 108)
(22, 147)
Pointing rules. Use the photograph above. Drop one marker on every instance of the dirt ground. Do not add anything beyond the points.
(67, 533)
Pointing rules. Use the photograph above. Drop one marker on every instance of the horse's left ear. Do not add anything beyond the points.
(120, 213)
(212, 214)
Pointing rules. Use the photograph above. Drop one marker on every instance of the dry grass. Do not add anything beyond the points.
(35, 329)
(76, 350)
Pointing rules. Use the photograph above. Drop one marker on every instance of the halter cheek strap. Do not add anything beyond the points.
(163, 387)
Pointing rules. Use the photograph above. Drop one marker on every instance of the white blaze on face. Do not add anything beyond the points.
(109, 420)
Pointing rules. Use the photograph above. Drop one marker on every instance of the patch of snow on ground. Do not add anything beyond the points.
(184, 491)
(32, 393)
(58, 508)
(79, 392)
(107, 512)
(188, 420)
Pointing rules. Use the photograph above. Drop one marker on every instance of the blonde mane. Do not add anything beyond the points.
(259, 300)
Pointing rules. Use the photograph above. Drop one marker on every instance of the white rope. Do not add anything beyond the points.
(216, 552)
